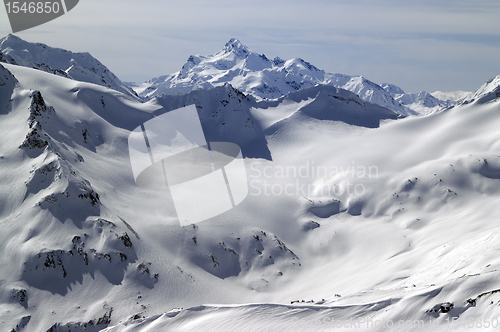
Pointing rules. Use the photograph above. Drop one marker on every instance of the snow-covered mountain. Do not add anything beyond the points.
(68, 200)
(489, 91)
(78, 66)
(450, 96)
(263, 78)
(422, 102)
(414, 250)
(353, 212)
(394, 90)
(235, 64)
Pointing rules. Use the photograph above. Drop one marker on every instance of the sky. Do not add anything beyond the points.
(444, 45)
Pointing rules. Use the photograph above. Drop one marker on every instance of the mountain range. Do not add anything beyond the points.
(356, 213)
(257, 75)
(249, 72)
(78, 66)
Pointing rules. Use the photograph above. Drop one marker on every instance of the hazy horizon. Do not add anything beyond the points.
(446, 46)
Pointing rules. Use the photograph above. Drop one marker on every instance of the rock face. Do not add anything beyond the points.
(6, 78)
(7, 84)
(39, 112)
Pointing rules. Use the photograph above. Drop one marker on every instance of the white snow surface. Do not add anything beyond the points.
(355, 215)
(78, 66)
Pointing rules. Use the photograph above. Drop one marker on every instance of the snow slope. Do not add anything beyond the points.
(415, 244)
(78, 66)
(353, 212)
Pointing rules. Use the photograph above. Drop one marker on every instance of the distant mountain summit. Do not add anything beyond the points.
(422, 102)
(78, 66)
(236, 47)
(392, 89)
(261, 77)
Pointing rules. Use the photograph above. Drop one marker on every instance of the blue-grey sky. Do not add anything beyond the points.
(418, 45)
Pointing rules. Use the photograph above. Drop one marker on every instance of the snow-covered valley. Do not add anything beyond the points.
(357, 213)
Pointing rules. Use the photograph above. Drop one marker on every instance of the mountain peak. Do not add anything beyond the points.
(12, 41)
(12, 36)
(392, 89)
(277, 61)
(487, 92)
(235, 46)
(234, 43)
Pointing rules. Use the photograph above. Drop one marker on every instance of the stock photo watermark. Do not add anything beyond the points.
(309, 179)
(170, 152)
(205, 179)
(25, 15)
(362, 323)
